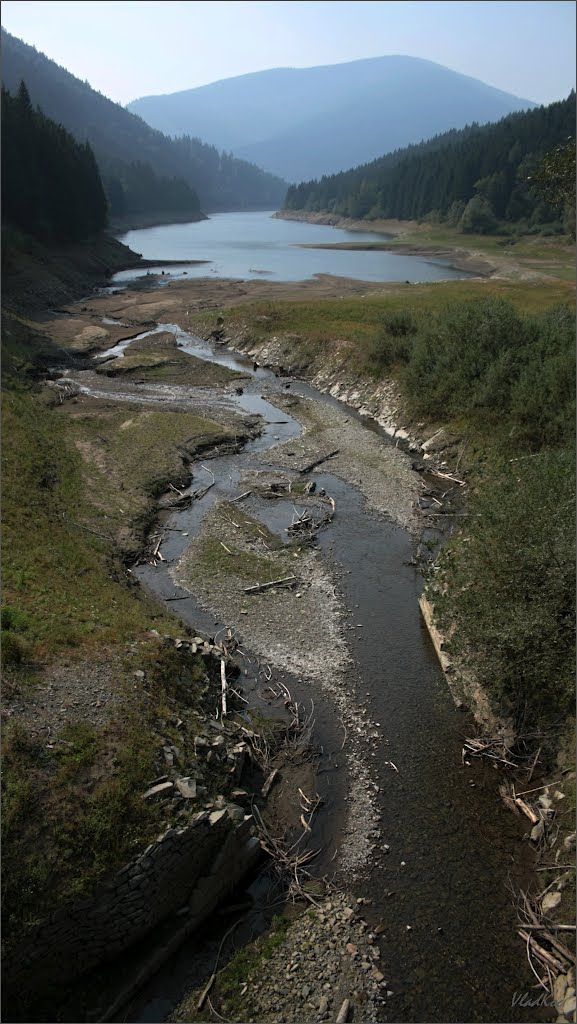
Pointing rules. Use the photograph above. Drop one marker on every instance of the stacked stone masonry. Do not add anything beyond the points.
(187, 870)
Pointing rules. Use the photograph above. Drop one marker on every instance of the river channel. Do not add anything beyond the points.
(436, 852)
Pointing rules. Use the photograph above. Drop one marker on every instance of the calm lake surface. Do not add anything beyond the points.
(256, 245)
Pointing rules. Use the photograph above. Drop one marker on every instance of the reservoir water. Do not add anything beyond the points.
(257, 245)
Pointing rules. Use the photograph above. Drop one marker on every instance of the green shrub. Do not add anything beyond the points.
(14, 650)
(511, 592)
(13, 619)
(399, 325)
(485, 360)
(392, 345)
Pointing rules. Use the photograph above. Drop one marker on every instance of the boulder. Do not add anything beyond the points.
(186, 787)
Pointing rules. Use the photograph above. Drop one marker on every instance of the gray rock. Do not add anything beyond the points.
(559, 989)
(235, 813)
(186, 787)
(537, 831)
(162, 787)
(550, 901)
(216, 816)
(569, 1006)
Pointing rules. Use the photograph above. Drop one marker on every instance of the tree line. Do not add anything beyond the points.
(51, 188)
(476, 178)
(134, 189)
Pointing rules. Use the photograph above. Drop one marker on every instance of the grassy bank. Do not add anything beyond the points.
(354, 321)
(79, 483)
(91, 695)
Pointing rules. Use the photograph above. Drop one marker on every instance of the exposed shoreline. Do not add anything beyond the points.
(460, 259)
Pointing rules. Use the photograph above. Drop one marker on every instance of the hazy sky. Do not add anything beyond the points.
(131, 48)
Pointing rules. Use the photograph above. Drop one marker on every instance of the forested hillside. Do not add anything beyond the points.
(123, 145)
(51, 188)
(473, 178)
(54, 214)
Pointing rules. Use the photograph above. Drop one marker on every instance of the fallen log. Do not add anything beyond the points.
(541, 953)
(259, 587)
(550, 928)
(446, 476)
(319, 462)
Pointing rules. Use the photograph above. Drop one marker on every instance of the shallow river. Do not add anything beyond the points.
(454, 850)
(257, 245)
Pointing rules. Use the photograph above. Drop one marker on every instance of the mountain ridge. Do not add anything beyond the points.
(302, 123)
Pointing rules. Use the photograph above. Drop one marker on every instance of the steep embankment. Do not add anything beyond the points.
(35, 278)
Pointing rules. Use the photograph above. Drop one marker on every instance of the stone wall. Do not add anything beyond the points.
(187, 870)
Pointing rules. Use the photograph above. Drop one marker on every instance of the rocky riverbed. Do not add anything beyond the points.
(408, 832)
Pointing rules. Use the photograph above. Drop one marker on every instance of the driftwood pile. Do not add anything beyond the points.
(547, 955)
(305, 526)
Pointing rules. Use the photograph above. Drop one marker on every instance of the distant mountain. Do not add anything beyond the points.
(303, 123)
(130, 153)
(474, 178)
